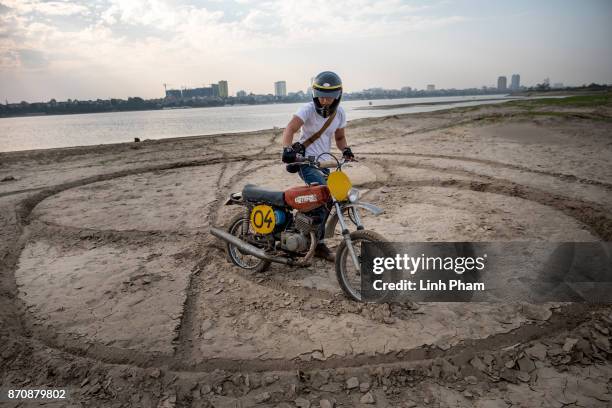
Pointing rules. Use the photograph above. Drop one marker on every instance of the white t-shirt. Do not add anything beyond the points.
(313, 122)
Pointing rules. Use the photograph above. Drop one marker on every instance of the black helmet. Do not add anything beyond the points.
(327, 85)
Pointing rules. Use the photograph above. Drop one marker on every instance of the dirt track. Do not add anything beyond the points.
(112, 286)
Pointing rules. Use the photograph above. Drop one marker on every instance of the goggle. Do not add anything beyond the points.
(326, 88)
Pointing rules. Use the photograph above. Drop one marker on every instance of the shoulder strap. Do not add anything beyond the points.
(317, 135)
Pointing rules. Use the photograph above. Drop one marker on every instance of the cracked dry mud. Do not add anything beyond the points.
(112, 286)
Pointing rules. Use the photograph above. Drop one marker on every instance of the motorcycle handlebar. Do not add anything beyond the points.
(329, 164)
(326, 164)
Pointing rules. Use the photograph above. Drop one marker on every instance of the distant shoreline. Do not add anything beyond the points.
(35, 114)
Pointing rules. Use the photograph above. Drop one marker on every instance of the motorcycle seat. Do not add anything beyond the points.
(252, 193)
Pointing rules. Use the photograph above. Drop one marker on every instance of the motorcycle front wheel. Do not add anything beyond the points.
(240, 226)
(349, 277)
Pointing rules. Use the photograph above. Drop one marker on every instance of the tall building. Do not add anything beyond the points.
(516, 82)
(501, 83)
(223, 91)
(197, 92)
(431, 87)
(280, 88)
(241, 94)
(215, 89)
(173, 93)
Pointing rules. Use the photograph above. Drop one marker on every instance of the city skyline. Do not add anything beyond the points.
(118, 48)
(222, 89)
(279, 88)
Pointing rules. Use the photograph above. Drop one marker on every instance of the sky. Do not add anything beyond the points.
(89, 49)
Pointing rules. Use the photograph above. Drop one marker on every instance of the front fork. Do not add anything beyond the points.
(346, 234)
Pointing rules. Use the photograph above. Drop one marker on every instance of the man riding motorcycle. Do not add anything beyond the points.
(319, 120)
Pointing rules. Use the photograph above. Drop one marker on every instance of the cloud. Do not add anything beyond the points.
(53, 8)
(154, 39)
(158, 13)
(60, 8)
(32, 59)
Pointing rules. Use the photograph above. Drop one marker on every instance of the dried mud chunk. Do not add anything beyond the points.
(478, 364)
(367, 398)
(600, 341)
(595, 390)
(269, 379)
(509, 375)
(536, 312)
(470, 379)
(526, 364)
(331, 388)
(538, 350)
(352, 383)
(263, 397)
(326, 403)
(302, 403)
(319, 379)
(317, 355)
(569, 344)
(155, 373)
(524, 377)
(496, 403)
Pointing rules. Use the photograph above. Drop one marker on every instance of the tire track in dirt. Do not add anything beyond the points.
(15, 192)
(183, 350)
(449, 125)
(564, 318)
(115, 355)
(593, 215)
(185, 330)
(561, 176)
(69, 233)
(15, 314)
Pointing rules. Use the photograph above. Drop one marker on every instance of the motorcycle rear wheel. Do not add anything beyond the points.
(235, 255)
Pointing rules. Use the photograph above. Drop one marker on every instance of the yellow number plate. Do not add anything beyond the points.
(262, 219)
(339, 185)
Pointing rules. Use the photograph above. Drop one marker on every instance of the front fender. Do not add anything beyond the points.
(330, 226)
(366, 206)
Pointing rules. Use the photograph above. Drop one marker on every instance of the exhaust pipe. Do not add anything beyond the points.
(251, 249)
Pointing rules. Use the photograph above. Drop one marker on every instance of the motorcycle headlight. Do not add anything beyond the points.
(353, 195)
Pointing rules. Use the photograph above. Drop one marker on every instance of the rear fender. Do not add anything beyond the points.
(235, 199)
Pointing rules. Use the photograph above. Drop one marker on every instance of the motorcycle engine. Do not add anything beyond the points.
(294, 241)
(298, 241)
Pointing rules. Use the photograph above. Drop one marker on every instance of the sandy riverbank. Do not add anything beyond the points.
(407, 105)
(110, 283)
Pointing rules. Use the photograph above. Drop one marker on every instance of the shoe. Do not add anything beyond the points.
(323, 252)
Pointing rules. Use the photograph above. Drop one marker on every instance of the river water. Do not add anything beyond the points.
(43, 132)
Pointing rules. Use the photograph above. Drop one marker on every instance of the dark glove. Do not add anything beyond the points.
(299, 148)
(293, 167)
(288, 155)
(348, 155)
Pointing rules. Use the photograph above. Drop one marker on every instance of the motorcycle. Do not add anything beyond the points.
(281, 226)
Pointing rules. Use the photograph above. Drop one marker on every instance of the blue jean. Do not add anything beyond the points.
(312, 175)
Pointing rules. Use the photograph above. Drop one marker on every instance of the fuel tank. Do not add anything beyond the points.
(306, 198)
